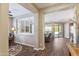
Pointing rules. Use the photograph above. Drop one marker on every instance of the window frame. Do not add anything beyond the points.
(29, 23)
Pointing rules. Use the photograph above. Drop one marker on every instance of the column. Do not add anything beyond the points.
(76, 25)
(41, 30)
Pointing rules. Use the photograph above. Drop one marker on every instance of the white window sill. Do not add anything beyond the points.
(25, 33)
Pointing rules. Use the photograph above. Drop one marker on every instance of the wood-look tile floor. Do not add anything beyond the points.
(56, 47)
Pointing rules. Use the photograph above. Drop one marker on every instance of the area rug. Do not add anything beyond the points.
(14, 50)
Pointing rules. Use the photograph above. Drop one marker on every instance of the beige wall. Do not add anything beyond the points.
(4, 21)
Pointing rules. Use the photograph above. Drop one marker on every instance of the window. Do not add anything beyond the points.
(48, 28)
(57, 28)
(25, 26)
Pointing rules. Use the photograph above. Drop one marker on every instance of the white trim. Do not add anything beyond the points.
(36, 49)
(66, 38)
(39, 48)
(42, 48)
(25, 33)
(25, 44)
(31, 46)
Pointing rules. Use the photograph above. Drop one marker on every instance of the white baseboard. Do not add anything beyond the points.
(36, 49)
(31, 46)
(39, 48)
(25, 44)
(66, 37)
(42, 48)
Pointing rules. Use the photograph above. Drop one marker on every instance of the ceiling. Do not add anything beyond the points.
(60, 16)
(44, 5)
(49, 5)
(57, 16)
(56, 12)
(17, 10)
